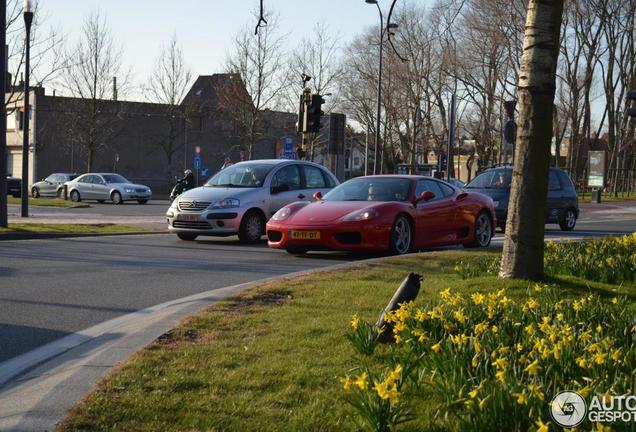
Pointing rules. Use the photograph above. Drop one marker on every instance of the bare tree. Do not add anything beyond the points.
(168, 85)
(47, 45)
(258, 60)
(523, 245)
(93, 64)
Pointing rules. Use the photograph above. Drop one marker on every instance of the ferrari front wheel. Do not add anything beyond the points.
(401, 236)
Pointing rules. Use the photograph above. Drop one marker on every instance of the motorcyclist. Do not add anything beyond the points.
(183, 184)
(187, 180)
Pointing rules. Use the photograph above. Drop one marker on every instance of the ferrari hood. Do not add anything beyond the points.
(327, 211)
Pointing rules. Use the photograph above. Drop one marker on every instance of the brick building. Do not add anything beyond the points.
(146, 142)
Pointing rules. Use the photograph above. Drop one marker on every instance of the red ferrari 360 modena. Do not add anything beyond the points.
(395, 213)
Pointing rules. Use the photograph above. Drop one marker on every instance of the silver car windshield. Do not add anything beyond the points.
(371, 189)
(114, 178)
(241, 175)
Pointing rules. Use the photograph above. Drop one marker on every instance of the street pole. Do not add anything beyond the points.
(28, 19)
(3, 113)
(376, 167)
(366, 152)
(451, 137)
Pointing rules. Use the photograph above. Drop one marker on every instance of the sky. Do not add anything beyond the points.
(204, 28)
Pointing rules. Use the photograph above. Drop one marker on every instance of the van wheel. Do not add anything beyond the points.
(567, 221)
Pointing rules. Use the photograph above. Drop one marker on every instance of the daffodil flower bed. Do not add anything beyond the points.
(611, 260)
(493, 362)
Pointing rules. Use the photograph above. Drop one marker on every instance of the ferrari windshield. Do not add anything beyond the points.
(371, 189)
(246, 175)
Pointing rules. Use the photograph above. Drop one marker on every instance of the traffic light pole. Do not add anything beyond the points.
(306, 101)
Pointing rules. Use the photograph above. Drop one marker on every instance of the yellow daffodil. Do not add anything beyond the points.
(500, 363)
(361, 381)
(533, 368)
(521, 398)
(355, 322)
(460, 316)
(477, 298)
(542, 427)
(614, 300)
(346, 383)
(473, 393)
(437, 347)
(501, 375)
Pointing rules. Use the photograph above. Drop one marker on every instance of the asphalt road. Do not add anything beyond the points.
(50, 288)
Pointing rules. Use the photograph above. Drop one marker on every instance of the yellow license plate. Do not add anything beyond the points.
(305, 235)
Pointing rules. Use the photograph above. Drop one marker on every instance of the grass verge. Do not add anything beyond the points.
(609, 196)
(42, 228)
(46, 202)
(271, 358)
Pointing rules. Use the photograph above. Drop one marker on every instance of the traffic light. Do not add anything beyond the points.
(631, 96)
(314, 113)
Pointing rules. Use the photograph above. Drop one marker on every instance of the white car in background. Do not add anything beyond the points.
(106, 187)
(241, 198)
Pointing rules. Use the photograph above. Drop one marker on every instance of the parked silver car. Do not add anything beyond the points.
(241, 198)
(53, 185)
(107, 186)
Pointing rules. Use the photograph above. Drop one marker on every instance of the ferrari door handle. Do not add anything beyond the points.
(301, 196)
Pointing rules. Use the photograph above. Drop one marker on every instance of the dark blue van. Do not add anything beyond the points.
(563, 203)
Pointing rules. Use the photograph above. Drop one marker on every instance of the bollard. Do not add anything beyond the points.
(407, 292)
(65, 192)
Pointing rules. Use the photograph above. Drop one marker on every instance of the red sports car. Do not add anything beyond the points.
(395, 213)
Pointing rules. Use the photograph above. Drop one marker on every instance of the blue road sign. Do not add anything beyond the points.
(197, 161)
(205, 171)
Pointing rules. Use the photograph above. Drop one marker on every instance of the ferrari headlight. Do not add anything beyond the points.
(282, 214)
(225, 203)
(361, 215)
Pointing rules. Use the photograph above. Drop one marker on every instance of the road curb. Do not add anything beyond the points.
(38, 236)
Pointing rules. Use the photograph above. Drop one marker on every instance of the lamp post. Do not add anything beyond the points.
(3, 119)
(379, 107)
(28, 19)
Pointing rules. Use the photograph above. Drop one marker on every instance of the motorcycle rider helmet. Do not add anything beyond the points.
(187, 174)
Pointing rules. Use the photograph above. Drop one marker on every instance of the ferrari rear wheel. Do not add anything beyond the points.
(401, 236)
(483, 231)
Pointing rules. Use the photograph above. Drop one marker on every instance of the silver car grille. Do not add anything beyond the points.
(198, 225)
(140, 190)
(192, 205)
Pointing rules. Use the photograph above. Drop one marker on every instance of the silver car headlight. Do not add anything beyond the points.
(225, 203)
(129, 190)
(495, 204)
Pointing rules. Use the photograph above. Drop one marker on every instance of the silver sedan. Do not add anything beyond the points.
(241, 198)
(107, 186)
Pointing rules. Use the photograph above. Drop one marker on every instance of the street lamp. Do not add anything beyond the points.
(28, 19)
(377, 119)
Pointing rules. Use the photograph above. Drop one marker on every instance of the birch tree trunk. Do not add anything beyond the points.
(523, 246)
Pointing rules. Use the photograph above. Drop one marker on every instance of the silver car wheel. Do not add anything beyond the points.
(401, 235)
(116, 197)
(483, 230)
(253, 226)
